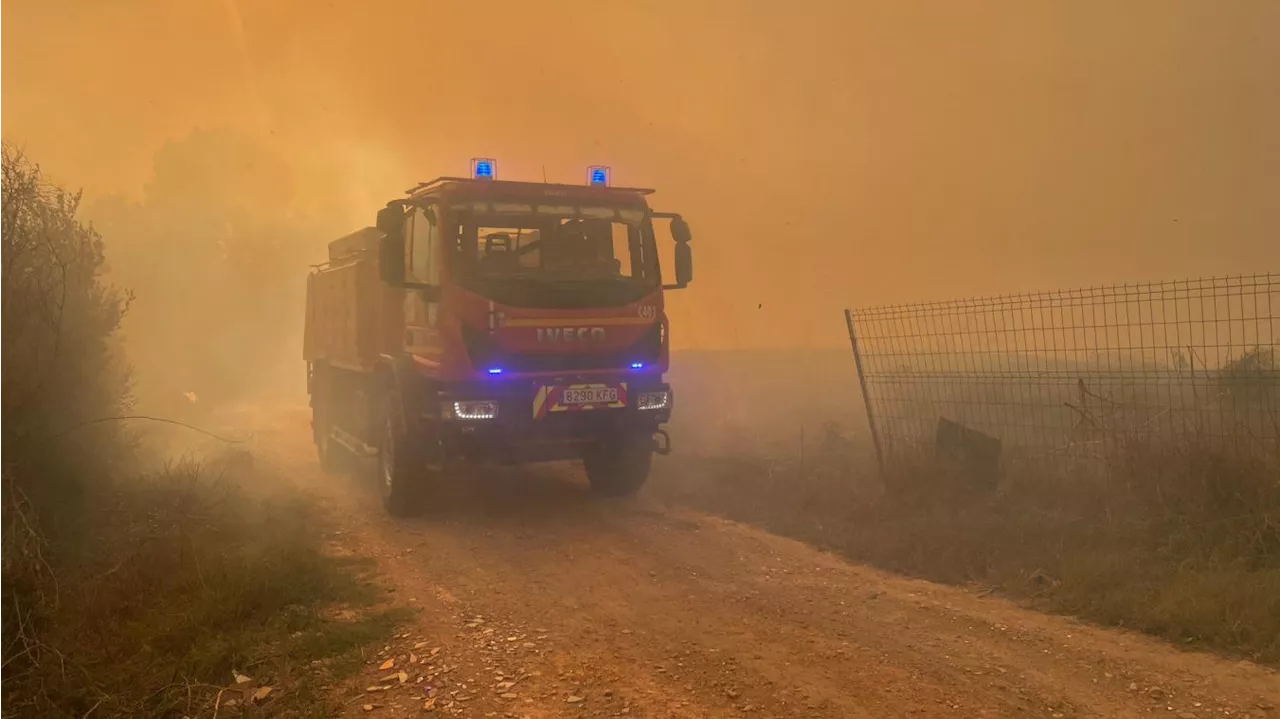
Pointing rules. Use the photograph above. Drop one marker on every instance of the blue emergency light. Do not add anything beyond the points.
(598, 176)
(495, 370)
(483, 168)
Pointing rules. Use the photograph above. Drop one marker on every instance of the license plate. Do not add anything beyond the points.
(551, 399)
(590, 395)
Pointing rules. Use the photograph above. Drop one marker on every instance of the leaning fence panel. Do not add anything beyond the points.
(1080, 375)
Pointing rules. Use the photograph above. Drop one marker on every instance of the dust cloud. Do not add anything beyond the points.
(847, 154)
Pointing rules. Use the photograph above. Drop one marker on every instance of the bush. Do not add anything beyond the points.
(129, 595)
(190, 578)
(59, 367)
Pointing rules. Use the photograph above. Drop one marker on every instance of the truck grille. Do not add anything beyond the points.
(483, 352)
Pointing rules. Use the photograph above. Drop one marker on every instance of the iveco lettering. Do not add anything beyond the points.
(571, 334)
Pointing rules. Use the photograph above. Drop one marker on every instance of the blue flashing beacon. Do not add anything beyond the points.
(483, 168)
(598, 176)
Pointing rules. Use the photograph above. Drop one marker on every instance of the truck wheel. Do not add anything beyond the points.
(401, 472)
(619, 466)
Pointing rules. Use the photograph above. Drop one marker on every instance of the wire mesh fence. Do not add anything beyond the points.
(1068, 376)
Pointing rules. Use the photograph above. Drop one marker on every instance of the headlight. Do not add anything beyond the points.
(473, 410)
(653, 400)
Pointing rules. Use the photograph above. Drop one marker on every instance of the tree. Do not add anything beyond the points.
(60, 360)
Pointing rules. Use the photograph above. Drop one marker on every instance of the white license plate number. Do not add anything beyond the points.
(591, 395)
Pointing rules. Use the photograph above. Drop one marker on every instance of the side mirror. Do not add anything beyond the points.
(684, 256)
(391, 247)
(680, 230)
(684, 261)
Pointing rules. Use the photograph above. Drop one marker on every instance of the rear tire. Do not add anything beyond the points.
(619, 466)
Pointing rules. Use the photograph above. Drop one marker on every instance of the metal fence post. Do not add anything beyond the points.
(866, 396)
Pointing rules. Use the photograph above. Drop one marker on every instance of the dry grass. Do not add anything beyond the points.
(177, 580)
(1181, 542)
(124, 595)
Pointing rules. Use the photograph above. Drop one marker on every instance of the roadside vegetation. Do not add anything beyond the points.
(190, 590)
(1179, 540)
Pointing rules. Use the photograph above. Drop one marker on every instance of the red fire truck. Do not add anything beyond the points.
(484, 320)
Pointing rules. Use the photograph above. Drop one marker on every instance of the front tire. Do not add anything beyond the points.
(619, 466)
(400, 469)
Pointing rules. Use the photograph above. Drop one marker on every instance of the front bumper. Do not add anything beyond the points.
(500, 420)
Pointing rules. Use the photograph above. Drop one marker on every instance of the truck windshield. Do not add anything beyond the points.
(577, 244)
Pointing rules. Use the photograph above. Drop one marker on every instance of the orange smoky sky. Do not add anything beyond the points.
(826, 154)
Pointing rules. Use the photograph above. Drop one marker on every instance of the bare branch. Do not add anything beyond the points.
(148, 418)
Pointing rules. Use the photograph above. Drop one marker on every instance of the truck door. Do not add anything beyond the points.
(422, 265)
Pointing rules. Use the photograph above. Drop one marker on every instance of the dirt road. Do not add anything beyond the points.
(538, 601)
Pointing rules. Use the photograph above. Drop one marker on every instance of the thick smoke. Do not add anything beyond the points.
(215, 252)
